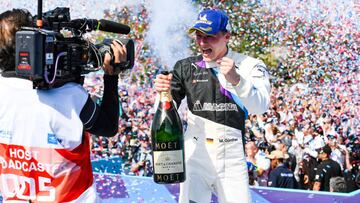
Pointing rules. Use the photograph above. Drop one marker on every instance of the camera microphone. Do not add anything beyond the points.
(110, 26)
(102, 25)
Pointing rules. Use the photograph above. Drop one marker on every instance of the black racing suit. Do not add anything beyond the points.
(214, 151)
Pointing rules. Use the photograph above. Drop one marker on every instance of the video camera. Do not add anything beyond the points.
(54, 51)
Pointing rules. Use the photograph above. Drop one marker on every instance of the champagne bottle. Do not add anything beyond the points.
(167, 142)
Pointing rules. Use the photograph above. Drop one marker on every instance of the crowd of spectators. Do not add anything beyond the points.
(314, 100)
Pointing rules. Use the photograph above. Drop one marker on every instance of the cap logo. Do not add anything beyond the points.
(203, 19)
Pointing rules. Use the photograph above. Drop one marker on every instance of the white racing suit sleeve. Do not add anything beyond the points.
(254, 86)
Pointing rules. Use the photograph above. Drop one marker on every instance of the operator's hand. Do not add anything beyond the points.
(119, 52)
(162, 82)
(227, 68)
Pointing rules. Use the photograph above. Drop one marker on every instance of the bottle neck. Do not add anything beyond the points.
(165, 96)
(165, 99)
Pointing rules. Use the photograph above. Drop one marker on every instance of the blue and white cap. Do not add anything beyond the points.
(210, 22)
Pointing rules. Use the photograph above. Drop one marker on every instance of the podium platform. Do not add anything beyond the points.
(124, 188)
(120, 188)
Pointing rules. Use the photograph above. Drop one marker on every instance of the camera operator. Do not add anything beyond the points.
(45, 134)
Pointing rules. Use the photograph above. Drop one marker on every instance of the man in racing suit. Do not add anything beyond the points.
(44, 150)
(222, 87)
